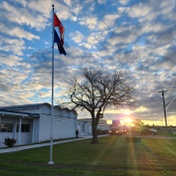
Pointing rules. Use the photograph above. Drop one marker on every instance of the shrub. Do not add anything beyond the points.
(9, 142)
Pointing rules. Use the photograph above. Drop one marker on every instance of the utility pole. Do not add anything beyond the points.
(164, 105)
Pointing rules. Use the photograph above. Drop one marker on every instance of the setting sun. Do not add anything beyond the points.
(127, 112)
(128, 121)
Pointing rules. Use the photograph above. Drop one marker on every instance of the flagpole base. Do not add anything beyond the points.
(51, 162)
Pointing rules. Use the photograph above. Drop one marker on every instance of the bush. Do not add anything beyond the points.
(9, 142)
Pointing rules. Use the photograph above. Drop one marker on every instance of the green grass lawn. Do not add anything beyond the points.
(113, 156)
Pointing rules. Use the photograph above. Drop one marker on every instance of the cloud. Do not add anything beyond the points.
(76, 9)
(108, 21)
(86, 45)
(102, 1)
(18, 32)
(123, 36)
(22, 2)
(123, 2)
(77, 37)
(22, 16)
(12, 45)
(139, 10)
(141, 109)
(43, 8)
(10, 60)
(89, 21)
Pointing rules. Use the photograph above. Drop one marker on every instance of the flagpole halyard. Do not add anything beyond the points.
(52, 94)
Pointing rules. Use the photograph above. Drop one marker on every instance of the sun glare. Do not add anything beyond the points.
(128, 121)
(127, 112)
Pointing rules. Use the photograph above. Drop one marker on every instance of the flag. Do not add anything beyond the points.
(59, 44)
(57, 23)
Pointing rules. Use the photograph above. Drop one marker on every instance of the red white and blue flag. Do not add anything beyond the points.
(57, 39)
(59, 43)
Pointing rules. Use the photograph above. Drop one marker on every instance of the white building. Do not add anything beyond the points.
(32, 123)
(85, 126)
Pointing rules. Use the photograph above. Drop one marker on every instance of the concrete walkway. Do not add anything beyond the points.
(26, 147)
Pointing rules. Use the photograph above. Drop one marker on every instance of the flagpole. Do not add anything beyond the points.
(52, 94)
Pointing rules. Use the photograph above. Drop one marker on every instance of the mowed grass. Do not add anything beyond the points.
(113, 156)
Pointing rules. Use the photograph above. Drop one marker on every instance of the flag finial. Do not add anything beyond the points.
(53, 6)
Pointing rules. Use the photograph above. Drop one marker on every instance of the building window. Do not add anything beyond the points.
(6, 127)
(83, 127)
(24, 128)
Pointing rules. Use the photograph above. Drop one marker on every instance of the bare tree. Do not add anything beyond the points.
(98, 90)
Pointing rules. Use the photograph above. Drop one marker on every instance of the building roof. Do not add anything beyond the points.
(19, 114)
(18, 110)
(23, 107)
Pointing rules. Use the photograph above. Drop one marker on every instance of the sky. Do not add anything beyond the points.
(137, 37)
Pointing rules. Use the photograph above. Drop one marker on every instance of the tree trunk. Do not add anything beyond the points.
(94, 133)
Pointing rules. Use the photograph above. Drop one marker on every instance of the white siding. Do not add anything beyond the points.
(64, 128)
(64, 124)
(35, 132)
(44, 127)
